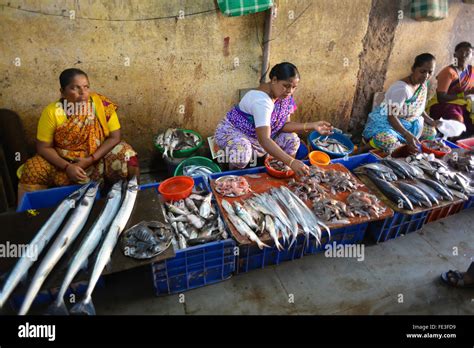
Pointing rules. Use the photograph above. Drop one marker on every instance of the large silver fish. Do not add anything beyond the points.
(39, 242)
(65, 238)
(118, 224)
(90, 243)
(241, 226)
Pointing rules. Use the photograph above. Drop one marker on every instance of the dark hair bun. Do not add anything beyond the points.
(284, 71)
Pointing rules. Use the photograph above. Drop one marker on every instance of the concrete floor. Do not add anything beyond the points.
(408, 266)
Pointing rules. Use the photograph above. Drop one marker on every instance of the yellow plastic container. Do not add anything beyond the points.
(319, 158)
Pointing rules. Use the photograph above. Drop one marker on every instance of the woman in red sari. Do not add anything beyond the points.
(78, 140)
(455, 91)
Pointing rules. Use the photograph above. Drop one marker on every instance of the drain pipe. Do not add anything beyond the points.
(266, 43)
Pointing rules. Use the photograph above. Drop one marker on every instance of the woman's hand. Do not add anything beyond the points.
(323, 127)
(85, 162)
(412, 142)
(299, 168)
(76, 173)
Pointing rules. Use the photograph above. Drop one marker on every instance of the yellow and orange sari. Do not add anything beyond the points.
(79, 137)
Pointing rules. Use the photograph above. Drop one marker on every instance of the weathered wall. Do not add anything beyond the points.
(190, 62)
(438, 38)
(173, 62)
(324, 40)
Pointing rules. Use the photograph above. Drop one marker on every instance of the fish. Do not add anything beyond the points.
(196, 221)
(196, 218)
(444, 191)
(146, 239)
(232, 186)
(433, 195)
(191, 205)
(330, 144)
(85, 306)
(167, 141)
(39, 242)
(279, 165)
(362, 203)
(176, 139)
(413, 191)
(241, 226)
(66, 237)
(205, 208)
(381, 171)
(175, 210)
(203, 240)
(245, 216)
(182, 230)
(397, 168)
(270, 228)
(172, 218)
(393, 193)
(193, 170)
(88, 245)
(437, 145)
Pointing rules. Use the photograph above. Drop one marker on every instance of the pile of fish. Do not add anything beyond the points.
(336, 180)
(332, 211)
(456, 182)
(362, 203)
(194, 170)
(279, 165)
(278, 212)
(81, 203)
(464, 162)
(174, 139)
(418, 190)
(232, 186)
(146, 239)
(308, 188)
(194, 221)
(331, 145)
(437, 145)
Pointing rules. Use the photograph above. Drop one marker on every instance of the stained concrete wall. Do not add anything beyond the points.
(182, 72)
(188, 65)
(324, 40)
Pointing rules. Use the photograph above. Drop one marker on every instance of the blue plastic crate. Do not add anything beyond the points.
(195, 267)
(251, 257)
(53, 196)
(469, 203)
(396, 225)
(345, 235)
(44, 297)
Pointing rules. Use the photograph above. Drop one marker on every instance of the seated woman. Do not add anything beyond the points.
(401, 118)
(78, 140)
(261, 123)
(455, 89)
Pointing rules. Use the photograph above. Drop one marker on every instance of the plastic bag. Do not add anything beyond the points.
(451, 128)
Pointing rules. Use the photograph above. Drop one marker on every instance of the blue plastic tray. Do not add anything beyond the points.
(250, 257)
(345, 235)
(396, 225)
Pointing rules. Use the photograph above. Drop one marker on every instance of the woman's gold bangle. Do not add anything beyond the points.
(291, 162)
(304, 127)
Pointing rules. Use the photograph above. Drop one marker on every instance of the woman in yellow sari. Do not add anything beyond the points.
(78, 140)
